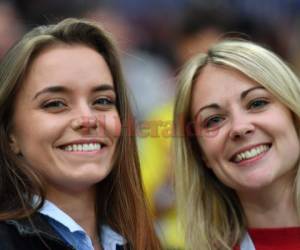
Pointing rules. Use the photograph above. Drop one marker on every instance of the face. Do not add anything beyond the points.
(66, 125)
(248, 138)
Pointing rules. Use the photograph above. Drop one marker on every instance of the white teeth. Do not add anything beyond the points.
(251, 153)
(83, 147)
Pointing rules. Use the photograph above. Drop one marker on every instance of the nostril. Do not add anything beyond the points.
(235, 135)
(248, 132)
(242, 131)
(84, 122)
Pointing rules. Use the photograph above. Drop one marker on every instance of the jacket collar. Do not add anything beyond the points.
(35, 224)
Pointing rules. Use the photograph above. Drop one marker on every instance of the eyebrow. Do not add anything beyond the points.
(62, 89)
(217, 106)
(103, 87)
(246, 92)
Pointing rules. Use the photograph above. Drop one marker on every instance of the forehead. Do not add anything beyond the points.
(68, 65)
(213, 77)
(217, 83)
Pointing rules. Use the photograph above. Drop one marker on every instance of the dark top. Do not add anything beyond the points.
(31, 234)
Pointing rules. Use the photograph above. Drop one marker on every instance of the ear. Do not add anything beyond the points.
(14, 144)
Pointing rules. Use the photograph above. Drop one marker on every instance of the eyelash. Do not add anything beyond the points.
(262, 103)
(53, 104)
(210, 119)
(107, 101)
(58, 105)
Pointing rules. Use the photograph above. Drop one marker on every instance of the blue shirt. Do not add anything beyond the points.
(74, 234)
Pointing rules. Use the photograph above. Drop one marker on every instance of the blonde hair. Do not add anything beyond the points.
(210, 212)
(120, 198)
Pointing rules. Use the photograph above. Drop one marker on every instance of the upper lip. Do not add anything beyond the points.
(103, 142)
(248, 148)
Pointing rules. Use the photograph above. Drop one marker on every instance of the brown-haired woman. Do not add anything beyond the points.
(69, 170)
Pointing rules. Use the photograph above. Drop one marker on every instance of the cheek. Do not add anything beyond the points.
(285, 128)
(113, 124)
(292, 145)
(38, 131)
(117, 127)
(210, 148)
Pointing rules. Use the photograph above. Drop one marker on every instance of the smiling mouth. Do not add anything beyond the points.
(251, 153)
(84, 147)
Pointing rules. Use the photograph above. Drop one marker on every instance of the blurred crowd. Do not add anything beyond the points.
(155, 39)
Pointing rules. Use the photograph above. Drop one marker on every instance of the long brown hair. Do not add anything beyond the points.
(120, 198)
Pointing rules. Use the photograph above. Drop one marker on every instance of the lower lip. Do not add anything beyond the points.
(253, 160)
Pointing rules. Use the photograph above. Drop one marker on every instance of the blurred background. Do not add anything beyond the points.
(155, 38)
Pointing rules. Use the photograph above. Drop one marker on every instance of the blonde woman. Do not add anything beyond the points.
(69, 170)
(237, 149)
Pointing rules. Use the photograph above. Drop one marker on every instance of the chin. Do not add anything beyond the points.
(253, 186)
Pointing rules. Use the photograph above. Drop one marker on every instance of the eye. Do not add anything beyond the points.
(104, 101)
(55, 105)
(258, 104)
(213, 121)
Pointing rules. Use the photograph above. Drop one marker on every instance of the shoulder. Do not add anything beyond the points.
(28, 234)
(8, 236)
(6, 230)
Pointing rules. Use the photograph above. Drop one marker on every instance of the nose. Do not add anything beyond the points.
(84, 118)
(241, 129)
(84, 123)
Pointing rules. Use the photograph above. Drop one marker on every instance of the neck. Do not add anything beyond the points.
(271, 207)
(79, 206)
